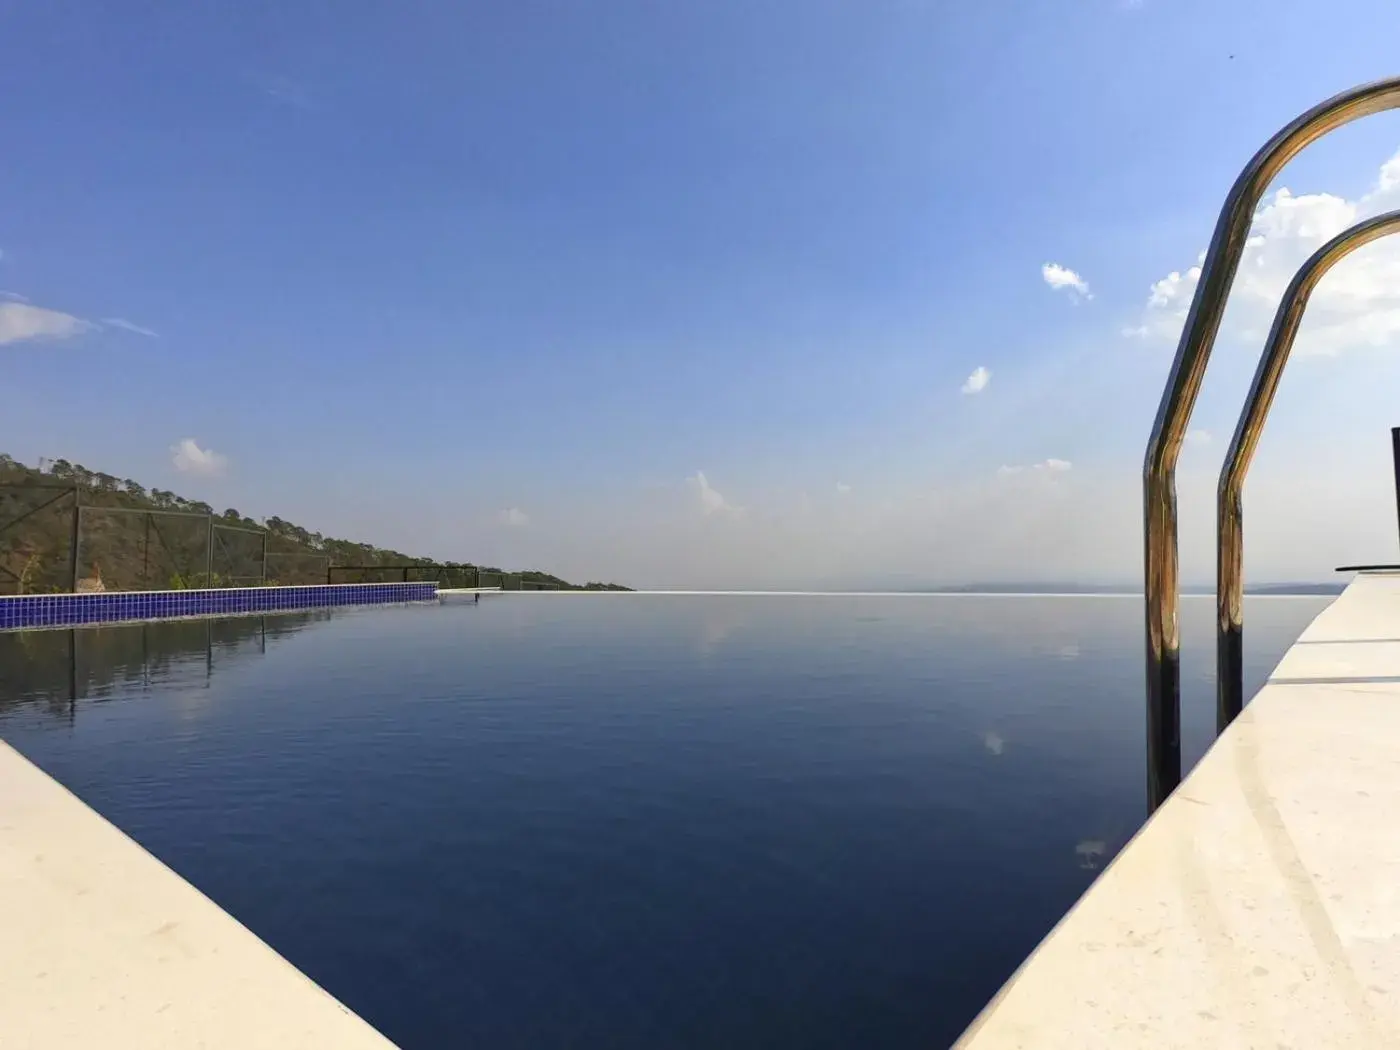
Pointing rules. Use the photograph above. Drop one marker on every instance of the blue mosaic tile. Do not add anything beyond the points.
(67, 610)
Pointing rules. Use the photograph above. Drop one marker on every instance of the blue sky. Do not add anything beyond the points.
(506, 282)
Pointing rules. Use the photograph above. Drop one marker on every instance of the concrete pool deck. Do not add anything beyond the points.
(101, 945)
(1260, 906)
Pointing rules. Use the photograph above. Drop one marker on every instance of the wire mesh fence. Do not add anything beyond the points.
(447, 577)
(36, 538)
(141, 549)
(59, 538)
(238, 555)
(296, 568)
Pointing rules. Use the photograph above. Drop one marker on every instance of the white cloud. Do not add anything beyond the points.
(1062, 278)
(1198, 437)
(711, 501)
(1357, 304)
(514, 517)
(129, 326)
(977, 382)
(189, 458)
(842, 489)
(20, 321)
(1045, 466)
(13, 296)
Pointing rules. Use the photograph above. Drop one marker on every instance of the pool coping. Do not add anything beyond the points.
(1258, 905)
(106, 946)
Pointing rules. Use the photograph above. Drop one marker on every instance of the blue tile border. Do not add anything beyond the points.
(19, 612)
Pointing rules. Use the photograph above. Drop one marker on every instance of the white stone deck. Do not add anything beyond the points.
(1260, 906)
(102, 947)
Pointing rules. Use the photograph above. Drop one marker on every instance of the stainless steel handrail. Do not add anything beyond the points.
(1161, 583)
(1229, 579)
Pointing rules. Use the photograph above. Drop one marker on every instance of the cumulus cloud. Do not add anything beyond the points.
(711, 501)
(1063, 279)
(977, 382)
(514, 517)
(1357, 304)
(842, 489)
(129, 326)
(1045, 466)
(189, 458)
(20, 321)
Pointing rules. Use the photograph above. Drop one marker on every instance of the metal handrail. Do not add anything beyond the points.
(1229, 585)
(1161, 584)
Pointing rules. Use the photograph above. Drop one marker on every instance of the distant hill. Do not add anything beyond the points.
(1331, 587)
(1297, 588)
(168, 548)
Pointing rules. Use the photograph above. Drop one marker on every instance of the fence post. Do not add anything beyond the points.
(1395, 456)
(77, 539)
(328, 572)
(264, 565)
(146, 554)
(209, 556)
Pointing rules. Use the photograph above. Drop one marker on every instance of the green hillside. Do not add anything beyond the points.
(133, 538)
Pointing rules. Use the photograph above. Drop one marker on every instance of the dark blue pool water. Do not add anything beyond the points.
(631, 821)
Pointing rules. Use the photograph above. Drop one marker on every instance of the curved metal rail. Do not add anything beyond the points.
(1174, 415)
(1229, 579)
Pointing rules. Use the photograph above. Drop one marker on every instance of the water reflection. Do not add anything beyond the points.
(1091, 853)
(51, 671)
(555, 822)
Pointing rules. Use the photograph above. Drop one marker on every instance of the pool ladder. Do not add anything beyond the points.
(1162, 585)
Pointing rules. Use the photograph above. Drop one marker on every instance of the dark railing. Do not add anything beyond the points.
(447, 576)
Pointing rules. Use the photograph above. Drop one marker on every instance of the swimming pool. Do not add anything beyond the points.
(630, 820)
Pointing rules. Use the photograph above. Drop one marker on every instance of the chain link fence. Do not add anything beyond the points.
(57, 539)
(63, 538)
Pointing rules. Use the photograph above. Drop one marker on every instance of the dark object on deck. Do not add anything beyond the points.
(1395, 459)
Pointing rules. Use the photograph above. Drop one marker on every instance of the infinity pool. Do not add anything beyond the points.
(631, 821)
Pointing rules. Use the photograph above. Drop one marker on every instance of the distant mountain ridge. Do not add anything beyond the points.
(1330, 587)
